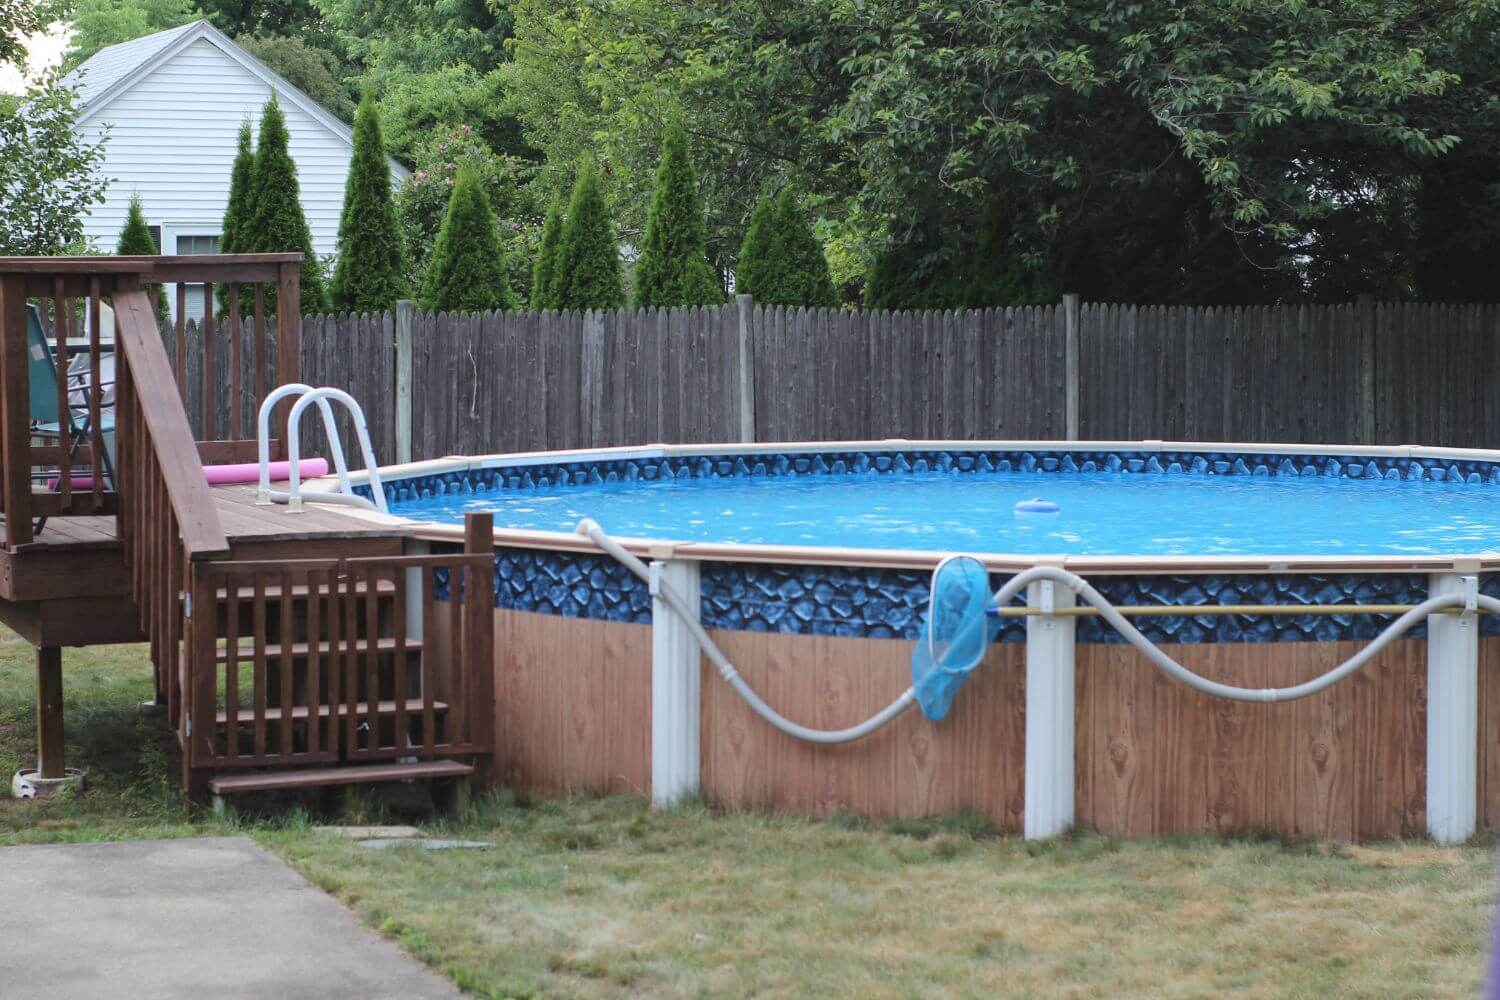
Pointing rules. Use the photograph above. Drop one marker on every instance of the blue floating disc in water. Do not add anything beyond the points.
(1037, 505)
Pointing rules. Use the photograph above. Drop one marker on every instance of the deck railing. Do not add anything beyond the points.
(324, 660)
(57, 464)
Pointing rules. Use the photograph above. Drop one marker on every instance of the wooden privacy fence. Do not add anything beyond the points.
(1358, 373)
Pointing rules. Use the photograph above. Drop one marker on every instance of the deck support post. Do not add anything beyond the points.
(1452, 714)
(49, 713)
(1049, 713)
(675, 686)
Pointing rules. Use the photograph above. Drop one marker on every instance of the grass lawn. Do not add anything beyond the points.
(603, 897)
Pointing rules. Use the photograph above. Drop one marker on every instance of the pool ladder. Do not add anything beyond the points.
(321, 397)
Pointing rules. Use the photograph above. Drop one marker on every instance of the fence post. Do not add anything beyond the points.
(1452, 714)
(593, 378)
(745, 305)
(675, 685)
(1050, 745)
(404, 310)
(1366, 310)
(1070, 347)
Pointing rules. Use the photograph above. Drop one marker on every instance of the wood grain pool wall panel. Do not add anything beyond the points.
(972, 760)
(572, 705)
(1158, 758)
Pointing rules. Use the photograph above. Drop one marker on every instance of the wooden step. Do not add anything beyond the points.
(356, 774)
(382, 708)
(299, 650)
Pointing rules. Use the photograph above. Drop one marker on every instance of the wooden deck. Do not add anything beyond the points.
(69, 587)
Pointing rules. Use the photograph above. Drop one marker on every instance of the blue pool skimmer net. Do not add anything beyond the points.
(956, 634)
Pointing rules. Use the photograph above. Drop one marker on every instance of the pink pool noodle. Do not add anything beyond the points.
(224, 475)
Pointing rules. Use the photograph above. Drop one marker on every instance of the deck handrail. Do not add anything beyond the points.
(171, 439)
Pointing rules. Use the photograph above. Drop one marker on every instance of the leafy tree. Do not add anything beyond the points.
(415, 105)
(367, 274)
(1190, 152)
(18, 19)
(136, 240)
(98, 24)
(312, 70)
(467, 273)
(672, 269)
(587, 272)
(422, 202)
(277, 224)
(240, 19)
(50, 174)
(543, 270)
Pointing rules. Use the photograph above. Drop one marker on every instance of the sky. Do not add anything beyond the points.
(45, 51)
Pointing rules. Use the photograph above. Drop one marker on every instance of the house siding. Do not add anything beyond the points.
(172, 140)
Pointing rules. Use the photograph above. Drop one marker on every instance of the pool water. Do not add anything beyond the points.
(1100, 513)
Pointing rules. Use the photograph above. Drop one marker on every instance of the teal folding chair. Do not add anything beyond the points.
(41, 378)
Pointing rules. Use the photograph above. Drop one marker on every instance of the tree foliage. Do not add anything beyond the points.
(277, 224)
(98, 24)
(312, 70)
(543, 269)
(136, 240)
(782, 261)
(240, 209)
(1189, 152)
(367, 274)
(50, 174)
(467, 273)
(422, 201)
(672, 269)
(18, 20)
(587, 272)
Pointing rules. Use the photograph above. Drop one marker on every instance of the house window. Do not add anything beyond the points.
(196, 244)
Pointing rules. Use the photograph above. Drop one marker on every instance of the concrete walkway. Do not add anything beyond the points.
(216, 917)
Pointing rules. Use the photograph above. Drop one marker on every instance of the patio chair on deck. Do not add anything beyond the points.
(41, 372)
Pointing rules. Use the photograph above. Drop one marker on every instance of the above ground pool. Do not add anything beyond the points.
(1257, 567)
(1075, 504)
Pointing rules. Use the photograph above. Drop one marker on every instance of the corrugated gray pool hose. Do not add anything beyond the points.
(1013, 587)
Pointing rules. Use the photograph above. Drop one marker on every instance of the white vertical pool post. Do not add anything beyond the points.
(1049, 712)
(675, 684)
(1452, 713)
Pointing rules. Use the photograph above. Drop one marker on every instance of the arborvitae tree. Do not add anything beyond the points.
(806, 267)
(135, 240)
(673, 269)
(237, 213)
(544, 267)
(467, 273)
(241, 196)
(367, 273)
(587, 270)
(752, 269)
(277, 224)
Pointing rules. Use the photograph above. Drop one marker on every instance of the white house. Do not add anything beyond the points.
(173, 103)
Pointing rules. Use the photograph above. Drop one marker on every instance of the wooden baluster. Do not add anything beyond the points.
(206, 332)
(234, 363)
(64, 413)
(372, 660)
(351, 660)
(181, 339)
(203, 674)
(260, 344)
(16, 403)
(288, 340)
(335, 666)
(430, 659)
(398, 672)
(96, 400)
(288, 665)
(258, 646)
(231, 666)
(313, 681)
